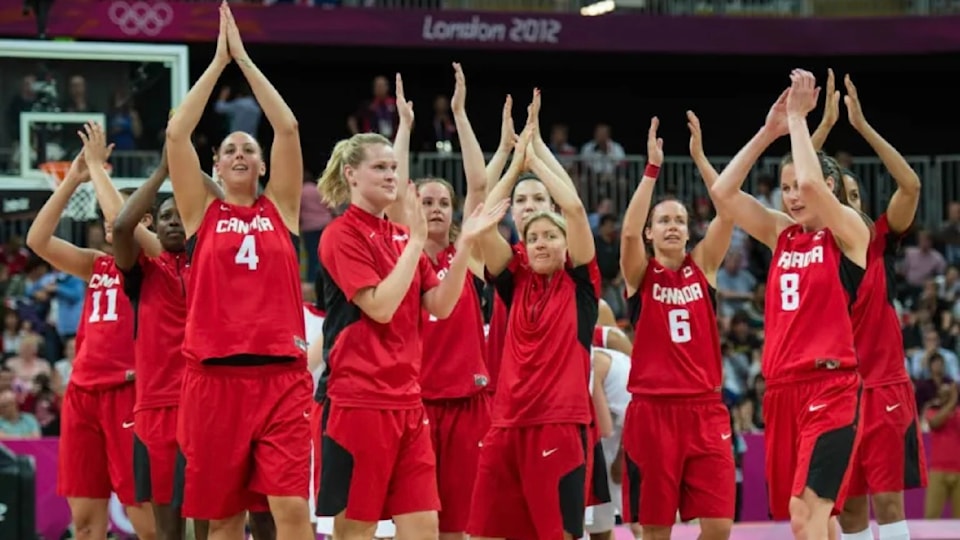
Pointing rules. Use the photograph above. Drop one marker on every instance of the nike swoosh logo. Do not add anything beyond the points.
(548, 452)
(892, 407)
(726, 436)
(658, 270)
(815, 408)
(128, 425)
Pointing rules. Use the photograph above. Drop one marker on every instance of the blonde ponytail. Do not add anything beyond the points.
(332, 184)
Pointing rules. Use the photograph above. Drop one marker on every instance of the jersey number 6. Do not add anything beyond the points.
(679, 320)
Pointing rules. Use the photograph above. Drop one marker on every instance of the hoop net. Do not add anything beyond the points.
(82, 205)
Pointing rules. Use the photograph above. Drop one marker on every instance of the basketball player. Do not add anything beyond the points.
(454, 377)
(811, 408)
(245, 325)
(377, 459)
(891, 457)
(611, 337)
(677, 430)
(530, 195)
(531, 478)
(611, 370)
(96, 439)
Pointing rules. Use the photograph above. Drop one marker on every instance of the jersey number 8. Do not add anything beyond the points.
(789, 292)
(247, 254)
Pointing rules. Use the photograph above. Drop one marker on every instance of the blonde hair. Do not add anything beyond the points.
(548, 215)
(332, 184)
(454, 201)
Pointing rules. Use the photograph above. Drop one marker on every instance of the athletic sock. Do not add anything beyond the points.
(862, 535)
(895, 531)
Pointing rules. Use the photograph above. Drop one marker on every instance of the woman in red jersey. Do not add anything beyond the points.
(891, 457)
(377, 458)
(96, 435)
(531, 478)
(454, 377)
(244, 332)
(811, 408)
(677, 429)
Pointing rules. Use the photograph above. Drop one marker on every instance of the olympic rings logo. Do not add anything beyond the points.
(140, 17)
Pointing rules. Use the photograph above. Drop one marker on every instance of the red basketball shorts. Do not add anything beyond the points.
(376, 464)
(456, 427)
(678, 456)
(96, 444)
(155, 453)
(811, 433)
(244, 432)
(530, 483)
(890, 457)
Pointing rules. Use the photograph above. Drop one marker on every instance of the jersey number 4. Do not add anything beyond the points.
(97, 311)
(789, 292)
(247, 254)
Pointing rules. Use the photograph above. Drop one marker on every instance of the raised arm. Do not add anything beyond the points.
(286, 157)
(494, 248)
(126, 243)
(508, 140)
(185, 173)
(540, 147)
(61, 254)
(709, 253)
(844, 222)
(759, 222)
(902, 208)
(441, 300)
(633, 252)
(580, 244)
(601, 369)
(472, 154)
(831, 113)
(401, 150)
(95, 153)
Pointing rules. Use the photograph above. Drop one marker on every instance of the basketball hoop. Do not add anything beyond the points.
(82, 205)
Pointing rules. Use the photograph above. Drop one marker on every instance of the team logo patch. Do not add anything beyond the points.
(300, 343)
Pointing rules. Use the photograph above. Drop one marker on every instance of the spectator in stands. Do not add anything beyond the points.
(742, 339)
(14, 255)
(44, 404)
(64, 366)
(6, 379)
(767, 192)
(12, 333)
(607, 241)
(943, 417)
(735, 285)
(927, 388)
(13, 423)
(22, 102)
(243, 113)
(602, 156)
(443, 135)
(919, 363)
(379, 114)
(948, 286)
(123, 121)
(922, 262)
(950, 233)
(314, 217)
(751, 411)
(27, 365)
(77, 97)
(604, 207)
(565, 152)
(68, 296)
(703, 214)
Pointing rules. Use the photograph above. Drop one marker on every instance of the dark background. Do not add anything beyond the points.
(911, 100)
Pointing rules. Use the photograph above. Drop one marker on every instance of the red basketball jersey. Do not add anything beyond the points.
(244, 296)
(679, 354)
(810, 289)
(453, 365)
(545, 374)
(104, 341)
(876, 326)
(157, 289)
(369, 364)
